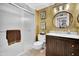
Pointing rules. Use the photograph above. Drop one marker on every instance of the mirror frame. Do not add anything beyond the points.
(70, 18)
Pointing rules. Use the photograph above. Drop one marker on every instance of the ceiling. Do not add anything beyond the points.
(38, 5)
(30, 7)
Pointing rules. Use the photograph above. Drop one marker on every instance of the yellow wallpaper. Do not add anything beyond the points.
(76, 14)
(37, 21)
(73, 9)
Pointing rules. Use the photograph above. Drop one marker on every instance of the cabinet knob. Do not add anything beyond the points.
(72, 53)
(73, 46)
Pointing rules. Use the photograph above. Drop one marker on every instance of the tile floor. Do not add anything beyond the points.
(33, 52)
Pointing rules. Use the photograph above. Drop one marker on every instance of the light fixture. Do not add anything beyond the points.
(60, 8)
(55, 10)
(37, 9)
(67, 6)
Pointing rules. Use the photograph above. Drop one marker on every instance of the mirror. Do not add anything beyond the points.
(62, 19)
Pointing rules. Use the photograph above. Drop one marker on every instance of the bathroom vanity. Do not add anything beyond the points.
(62, 44)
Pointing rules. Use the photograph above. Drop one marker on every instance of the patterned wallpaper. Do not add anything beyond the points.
(74, 27)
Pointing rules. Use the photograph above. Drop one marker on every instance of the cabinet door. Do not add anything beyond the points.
(54, 46)
(60, 47)
(50, 46)
(67, 47)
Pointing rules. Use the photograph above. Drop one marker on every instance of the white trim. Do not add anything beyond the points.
(22, 8)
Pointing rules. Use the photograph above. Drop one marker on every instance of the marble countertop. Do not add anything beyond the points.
(67, 35)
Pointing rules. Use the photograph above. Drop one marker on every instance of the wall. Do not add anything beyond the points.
(73, 8)
(76, 14)
(12, 17)
(37, 21)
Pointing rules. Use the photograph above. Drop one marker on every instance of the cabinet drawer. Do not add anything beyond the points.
(71, 52)
(75, 52)
(75, 44)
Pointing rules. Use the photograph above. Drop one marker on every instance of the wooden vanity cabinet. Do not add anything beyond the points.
(61, 46)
